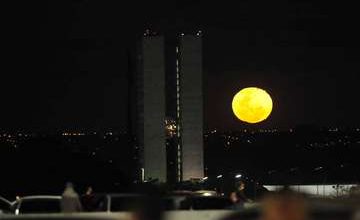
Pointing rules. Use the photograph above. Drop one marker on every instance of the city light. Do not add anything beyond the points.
(170, 127)
(238, 176)
(219, 176)
(205, 178)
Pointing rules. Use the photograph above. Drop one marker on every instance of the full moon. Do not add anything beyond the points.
(252, 105)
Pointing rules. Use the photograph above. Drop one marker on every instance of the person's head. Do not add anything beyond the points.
(69, 185)
(89, 190)
(233, 197)
(240, 185)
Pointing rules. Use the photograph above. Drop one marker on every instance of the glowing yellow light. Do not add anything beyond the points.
(252, 105)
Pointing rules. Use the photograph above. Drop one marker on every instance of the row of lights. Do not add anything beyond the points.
(109, 133)
(293, 169)
(237, 176)
(72, 134)
(154, 33)
(276, 130)
(15, 135)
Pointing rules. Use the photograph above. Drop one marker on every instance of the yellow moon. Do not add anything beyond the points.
(252, 105)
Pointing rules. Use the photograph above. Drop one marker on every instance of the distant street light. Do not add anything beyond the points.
(238, 176)
(220, 176)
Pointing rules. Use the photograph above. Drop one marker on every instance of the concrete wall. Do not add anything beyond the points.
(197, 215)
(153, 85)
(317, 190)
(191, 102)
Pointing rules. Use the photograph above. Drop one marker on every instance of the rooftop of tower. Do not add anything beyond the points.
(154, 32)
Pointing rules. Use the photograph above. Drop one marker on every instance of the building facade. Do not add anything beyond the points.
(150, 83)
(191, 106)
(170, 106)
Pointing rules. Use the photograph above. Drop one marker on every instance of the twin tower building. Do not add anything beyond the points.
(169, 106)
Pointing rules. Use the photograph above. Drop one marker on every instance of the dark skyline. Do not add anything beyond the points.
(66, 63)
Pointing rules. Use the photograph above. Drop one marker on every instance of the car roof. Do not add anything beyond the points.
(5, 200)
(208, 197)
(182, 192)
(125, 195)
(40, 197)
(205, 191)
(116, 195)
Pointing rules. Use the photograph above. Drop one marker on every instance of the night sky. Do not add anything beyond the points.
(64, 63)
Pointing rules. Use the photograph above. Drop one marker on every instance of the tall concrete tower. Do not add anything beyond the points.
(151, 107)
(170, 87)
(191, 106)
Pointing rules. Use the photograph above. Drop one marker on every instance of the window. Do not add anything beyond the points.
(40, 206)
(4, 206)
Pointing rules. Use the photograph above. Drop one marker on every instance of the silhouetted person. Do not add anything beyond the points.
(70, 201)
(88, 200)
(240, 192)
